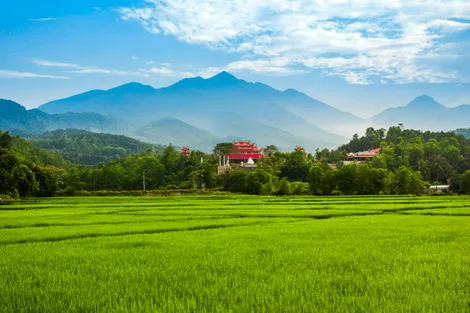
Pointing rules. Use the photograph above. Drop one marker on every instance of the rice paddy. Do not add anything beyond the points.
(234, 253)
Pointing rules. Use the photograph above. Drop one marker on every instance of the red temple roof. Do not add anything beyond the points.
(185, 152)
(243, 150)
(365, 154)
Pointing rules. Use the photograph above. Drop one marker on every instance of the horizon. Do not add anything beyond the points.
(377, 57)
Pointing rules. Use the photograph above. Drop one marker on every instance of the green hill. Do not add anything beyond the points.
(26, 170)
(84, 147)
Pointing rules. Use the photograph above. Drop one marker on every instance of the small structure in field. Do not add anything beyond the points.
(439, 188)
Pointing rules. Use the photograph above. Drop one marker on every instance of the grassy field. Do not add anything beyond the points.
(235, 254)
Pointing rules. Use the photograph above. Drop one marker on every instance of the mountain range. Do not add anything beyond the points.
(425, 113)
(222, 105)
(200, 112)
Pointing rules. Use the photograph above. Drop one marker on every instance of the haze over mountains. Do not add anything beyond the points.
(426, 113)
(222, 105)
(15, 118)
(201, 112)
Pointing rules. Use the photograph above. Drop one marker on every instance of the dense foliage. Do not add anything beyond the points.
(29, 171)
(409, 161)
(168, 170)
(84, 147)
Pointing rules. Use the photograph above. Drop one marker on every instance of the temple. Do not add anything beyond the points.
(243, 151)
(242, 154)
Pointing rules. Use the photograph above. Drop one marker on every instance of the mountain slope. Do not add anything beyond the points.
(425, 113)
(320, 113)
(204, 102)
(176, 132)
(16, 119)
(84, 147)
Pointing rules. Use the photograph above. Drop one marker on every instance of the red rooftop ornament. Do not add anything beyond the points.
(185, 151)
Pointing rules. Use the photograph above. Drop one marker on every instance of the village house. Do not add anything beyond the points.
(364, 155)
(358, 157)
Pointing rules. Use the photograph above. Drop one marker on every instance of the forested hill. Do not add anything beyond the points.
(438, 156)
(84, 147)
(463, 131)
(26, 170)
(375, 138)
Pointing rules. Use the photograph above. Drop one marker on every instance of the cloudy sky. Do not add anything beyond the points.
(359, 55)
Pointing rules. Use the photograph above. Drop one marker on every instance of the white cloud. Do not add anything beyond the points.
(79, 69)
(42, 62)
(362, 41)
(164, 70)
(42, 19)
(17, 74)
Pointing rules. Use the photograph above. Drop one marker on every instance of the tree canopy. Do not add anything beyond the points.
(409, 160)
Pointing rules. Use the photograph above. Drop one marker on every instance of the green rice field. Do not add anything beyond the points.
(233, 253)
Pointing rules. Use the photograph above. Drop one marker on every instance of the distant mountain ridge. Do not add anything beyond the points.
(222, 105)
(202, 111)
(425, 113)
(17, 120)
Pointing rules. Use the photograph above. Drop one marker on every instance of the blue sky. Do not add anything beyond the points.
(361, 56)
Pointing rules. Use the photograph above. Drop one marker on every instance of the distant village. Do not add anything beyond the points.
(244, 155)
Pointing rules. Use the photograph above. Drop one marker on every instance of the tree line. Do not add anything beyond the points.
(410, 160)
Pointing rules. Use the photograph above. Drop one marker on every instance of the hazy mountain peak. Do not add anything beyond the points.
(133, 87)
(219, 80)
(191, 82)
(424, 102)
(224, 78)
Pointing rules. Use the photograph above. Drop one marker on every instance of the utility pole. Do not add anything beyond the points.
(143, 180)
